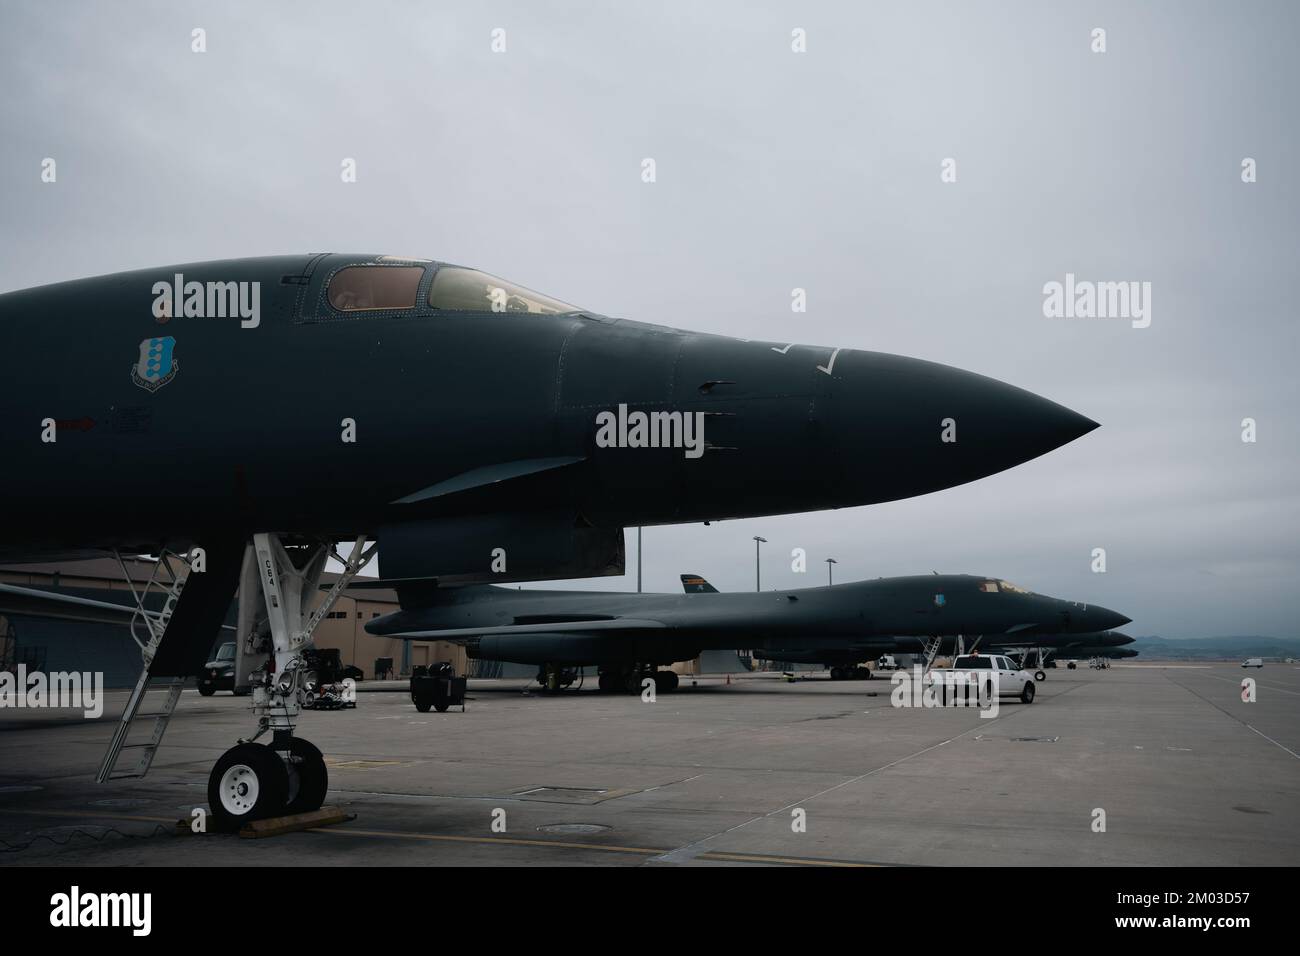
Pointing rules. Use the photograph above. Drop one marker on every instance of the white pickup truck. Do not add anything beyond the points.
(987, 670)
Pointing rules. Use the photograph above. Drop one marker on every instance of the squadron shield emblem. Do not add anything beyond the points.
(157, 364)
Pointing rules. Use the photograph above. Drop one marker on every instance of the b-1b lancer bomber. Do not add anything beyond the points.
(845, 656)
(628, 635)
(246, 414)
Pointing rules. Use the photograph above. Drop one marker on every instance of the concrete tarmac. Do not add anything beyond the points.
(755, 772)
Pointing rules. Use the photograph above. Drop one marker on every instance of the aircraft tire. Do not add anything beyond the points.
(313, 777)
(423, 703)
(1027, 694)
(206, 691)
(249, 782)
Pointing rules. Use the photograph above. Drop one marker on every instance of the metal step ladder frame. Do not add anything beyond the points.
(155, 625)
(931, 651)
(161, 717)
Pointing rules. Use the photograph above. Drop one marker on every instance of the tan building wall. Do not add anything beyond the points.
(344, 628)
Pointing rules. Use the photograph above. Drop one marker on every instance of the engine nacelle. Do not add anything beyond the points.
(574, 649)
(497, 548)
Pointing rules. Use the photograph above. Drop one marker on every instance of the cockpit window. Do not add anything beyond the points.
(468, 290)
(371, 288)
(993, 587)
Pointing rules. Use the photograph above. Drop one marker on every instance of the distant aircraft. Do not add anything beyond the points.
(1085, 652)
(247, 414)
(845, 657)
(628, 635)
(1109, 644)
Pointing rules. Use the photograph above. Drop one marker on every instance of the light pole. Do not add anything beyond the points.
(638, 560)
(829, 562)
(758, 579)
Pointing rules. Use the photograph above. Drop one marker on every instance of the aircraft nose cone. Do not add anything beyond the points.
(1115, 619)
(1093, 617)
(792, 428)
(939, 426)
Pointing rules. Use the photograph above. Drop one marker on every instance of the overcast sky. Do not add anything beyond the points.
(775, 170)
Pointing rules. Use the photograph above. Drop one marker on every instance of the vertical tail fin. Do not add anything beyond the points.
(694, 584)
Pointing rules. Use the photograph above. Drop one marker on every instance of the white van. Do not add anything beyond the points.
(1253, 662)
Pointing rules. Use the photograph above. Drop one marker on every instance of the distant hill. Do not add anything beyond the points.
(1210, 648)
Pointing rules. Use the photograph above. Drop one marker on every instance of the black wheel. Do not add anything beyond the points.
(605, 682)
(423, 703)
(673, 680)
(632, 683)
(308, 777)
(1039, 675)
(1027, 694)
(249, 782)
(207, 691)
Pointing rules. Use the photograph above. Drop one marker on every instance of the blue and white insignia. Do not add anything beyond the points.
(940, 600)
(157, 365)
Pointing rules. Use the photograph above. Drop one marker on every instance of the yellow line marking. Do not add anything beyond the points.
(89, 814)
(714, 855)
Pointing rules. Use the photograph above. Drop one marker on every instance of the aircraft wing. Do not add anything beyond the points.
(38, 603)
(623, 624)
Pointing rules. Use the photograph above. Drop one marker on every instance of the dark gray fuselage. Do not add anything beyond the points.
(247, 434)
(663, 628)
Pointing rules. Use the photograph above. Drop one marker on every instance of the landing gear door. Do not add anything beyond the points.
(251, 629)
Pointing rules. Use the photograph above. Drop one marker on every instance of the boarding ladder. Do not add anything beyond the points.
(147, 629)
(931, 651)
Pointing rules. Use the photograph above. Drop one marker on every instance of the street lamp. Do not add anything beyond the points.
(758, 580)
(829, 562)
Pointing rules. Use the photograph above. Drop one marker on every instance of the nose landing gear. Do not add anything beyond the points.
(253, 781)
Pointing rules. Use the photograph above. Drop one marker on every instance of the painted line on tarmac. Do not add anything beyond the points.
(691, 850)
(652, 852)
(88, 815)
(1228, 713)
(1237, 683)
(722, 857)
